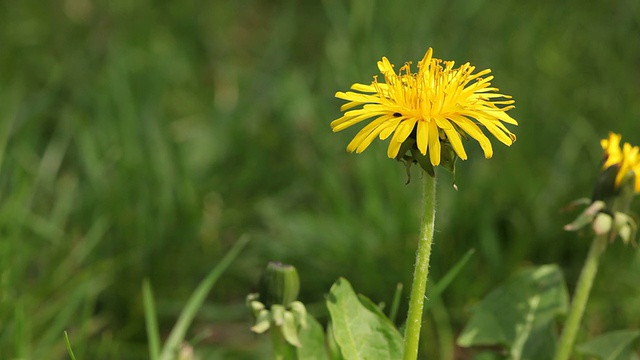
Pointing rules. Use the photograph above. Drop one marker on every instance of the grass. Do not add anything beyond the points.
(141, 139)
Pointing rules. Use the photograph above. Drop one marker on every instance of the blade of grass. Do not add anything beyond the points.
(151, 320)
(197, 298)
(8, 119)
(450, 275)
(66, 340)
(446, 343)
(395, 303)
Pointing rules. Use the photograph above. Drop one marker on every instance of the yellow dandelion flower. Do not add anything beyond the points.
(436, 106)
(616, 186)
(626, 160)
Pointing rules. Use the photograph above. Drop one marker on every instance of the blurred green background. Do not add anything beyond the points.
(141, 139)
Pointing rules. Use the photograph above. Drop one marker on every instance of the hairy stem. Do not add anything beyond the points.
(421, 271)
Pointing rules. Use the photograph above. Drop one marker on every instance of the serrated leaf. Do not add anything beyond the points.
(359, 332)
(312, 340)
(614, 345)
(519, 314)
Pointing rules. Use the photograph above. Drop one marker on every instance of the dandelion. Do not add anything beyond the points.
(426, 114)
(609, 217)
(429, 111)
(617, 184)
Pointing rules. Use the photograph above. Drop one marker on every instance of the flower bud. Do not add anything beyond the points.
(605, 188)
(602, 223)
(615, 188)
(279, 284)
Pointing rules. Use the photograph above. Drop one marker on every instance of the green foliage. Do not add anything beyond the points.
(361, 331)
(520, 315)
(614, 345)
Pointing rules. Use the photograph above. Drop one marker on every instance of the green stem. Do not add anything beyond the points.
(580, 297)
(281, 348)
(421, 271)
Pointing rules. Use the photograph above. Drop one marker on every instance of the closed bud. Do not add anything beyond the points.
(280, 284)
(605, 188)
(602, 223)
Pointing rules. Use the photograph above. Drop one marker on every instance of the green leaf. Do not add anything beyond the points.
(614, 345)
(360, 332)
(374, 308)
(312, 340)
(332, 344)
(520, 314)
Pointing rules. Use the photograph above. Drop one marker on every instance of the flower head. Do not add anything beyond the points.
(430, 110)
(616, 186)
(625, 162)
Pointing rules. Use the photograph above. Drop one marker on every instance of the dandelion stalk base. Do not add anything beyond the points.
(583, 288)
(421, 271)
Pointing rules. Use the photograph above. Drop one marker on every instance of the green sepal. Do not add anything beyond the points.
(626, 227)
(586, 217)
(290, 329)
(423, 161)
(448, 157)
(404, 148)
(277, 314)
(300, 312)
(263, 322)
(256, 307)
(253, 304)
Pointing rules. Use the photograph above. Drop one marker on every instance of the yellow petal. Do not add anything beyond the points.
(385, 66)
(390, 127)
(394, 147)
(474, 131)
(369, 132)
(349, 120)
(434, 144)
(456, 143)
(423, 136)
(357, 97)
(363, 87)
(404, 129)
(495, 131)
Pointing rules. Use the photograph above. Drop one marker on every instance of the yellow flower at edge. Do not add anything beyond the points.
(435, 105)
(627, 159)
